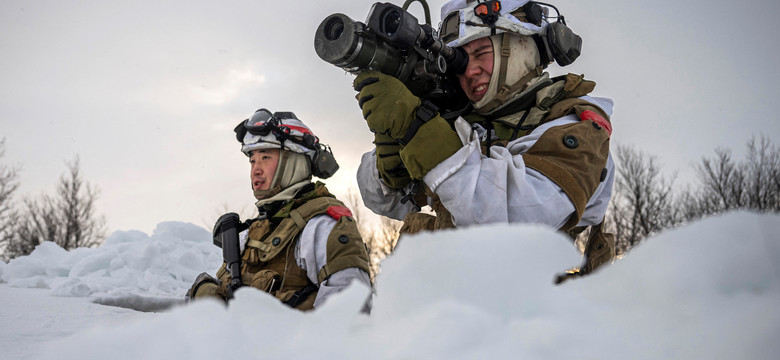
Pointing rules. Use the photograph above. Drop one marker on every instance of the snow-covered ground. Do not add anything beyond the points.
(708, 290)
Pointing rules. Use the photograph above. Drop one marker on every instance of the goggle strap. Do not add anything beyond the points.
(240, 131)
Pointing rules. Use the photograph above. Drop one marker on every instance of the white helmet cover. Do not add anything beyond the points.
(456, 16)
(296, 129)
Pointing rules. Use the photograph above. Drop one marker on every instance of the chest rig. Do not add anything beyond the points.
(268, 262)
(559, 99)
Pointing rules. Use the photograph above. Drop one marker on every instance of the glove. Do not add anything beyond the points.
(204, 286)
(388, 162)
(599, 250)
(388, 106)
(434, 142)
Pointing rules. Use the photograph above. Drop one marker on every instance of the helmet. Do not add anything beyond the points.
(282, 130)
(300, 153)
(514, 27)
(462, 24)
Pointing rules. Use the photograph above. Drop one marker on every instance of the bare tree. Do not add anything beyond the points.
(722, 184)
(762, 168)
(76, 207)
(691, 206)
(380, 239)
(68, 219)
(9, 183)
(354, 204)
(642, 202)
(38, 224)
(385, 238)
(726, 185)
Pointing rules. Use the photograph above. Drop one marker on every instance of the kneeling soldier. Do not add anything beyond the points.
(304, 245)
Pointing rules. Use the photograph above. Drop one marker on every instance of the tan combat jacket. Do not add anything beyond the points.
(268, 262)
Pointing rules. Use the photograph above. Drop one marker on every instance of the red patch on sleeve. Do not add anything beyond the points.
(337, 212)
(590, 115)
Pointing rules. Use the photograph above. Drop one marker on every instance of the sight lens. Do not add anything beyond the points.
(334, 28)
(391, 21)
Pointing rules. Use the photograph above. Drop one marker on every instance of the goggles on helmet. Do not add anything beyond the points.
(276, 128)
(261, 122)
(488, 11)
(283, 130)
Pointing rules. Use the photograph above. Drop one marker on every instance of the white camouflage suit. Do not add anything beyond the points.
(499, 188)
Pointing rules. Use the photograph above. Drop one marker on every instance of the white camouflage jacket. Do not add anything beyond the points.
(498, 188)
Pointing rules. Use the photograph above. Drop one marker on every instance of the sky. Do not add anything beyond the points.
(688, 293)
(146, 93)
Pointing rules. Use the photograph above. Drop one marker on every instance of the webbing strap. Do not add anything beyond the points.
(311, 208)
(504, 29)
(504, 93)
(296, 216)
(259, 245)
(301, 295)
(339, 264)
(505, 52)
(569, 86)
(424, 113)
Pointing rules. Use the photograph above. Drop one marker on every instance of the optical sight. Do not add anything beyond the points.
(394, 43)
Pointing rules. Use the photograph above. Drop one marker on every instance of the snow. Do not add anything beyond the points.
(705, 290)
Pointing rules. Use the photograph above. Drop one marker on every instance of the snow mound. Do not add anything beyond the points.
(131, 268)
(708, 290)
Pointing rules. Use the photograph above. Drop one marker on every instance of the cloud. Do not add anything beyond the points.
(152, 102)
(228, 85)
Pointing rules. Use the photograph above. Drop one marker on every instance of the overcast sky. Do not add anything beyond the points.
(147, 93)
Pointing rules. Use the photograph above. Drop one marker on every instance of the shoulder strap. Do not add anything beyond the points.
(291, 226)
(570, 83)
(317, 206)
(554, 102)
(301, 295)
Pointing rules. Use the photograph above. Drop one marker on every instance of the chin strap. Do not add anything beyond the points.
(505, 92)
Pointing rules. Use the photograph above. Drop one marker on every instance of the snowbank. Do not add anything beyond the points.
(708, 290)
(131, 269)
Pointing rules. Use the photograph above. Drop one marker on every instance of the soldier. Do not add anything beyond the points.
(304, 246)
(529, 149)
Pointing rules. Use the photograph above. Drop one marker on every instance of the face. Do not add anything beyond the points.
(263, 164)
(475, 80)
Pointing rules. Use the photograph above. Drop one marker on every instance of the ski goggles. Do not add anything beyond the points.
(488, 11)
(261, 123)
(283, 126)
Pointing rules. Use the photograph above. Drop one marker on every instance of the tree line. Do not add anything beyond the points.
(67, 218)
(644, 202)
